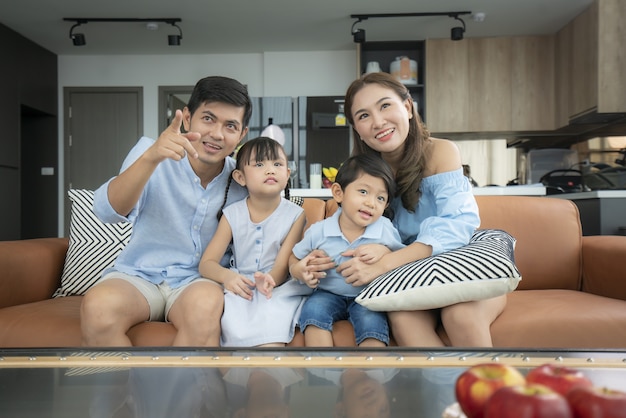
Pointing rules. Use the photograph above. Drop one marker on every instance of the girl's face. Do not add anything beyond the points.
(362, 202)
(381, 118)
(264, 177)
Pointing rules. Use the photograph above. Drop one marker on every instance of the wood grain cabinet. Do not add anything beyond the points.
(447, 74)
(532, 83)
(590, 62)
(490, 86)
(498, 84)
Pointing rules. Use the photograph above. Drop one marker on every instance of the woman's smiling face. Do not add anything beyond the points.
(381, 117)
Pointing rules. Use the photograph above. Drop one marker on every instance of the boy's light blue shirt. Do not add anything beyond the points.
(326, 235)
(173, 220)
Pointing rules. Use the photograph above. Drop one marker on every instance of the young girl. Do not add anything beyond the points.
(258, 308)
(362, 190)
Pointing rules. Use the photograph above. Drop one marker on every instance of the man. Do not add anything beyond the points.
(171, 189)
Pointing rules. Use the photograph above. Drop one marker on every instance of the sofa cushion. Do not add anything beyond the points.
(482, 269)
(93, 247)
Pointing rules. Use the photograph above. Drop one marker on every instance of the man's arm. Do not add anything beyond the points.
(125, 189)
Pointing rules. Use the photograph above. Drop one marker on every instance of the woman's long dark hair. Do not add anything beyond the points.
(411, 169)
(263, 148)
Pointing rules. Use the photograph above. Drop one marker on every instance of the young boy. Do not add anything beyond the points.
(362, 189)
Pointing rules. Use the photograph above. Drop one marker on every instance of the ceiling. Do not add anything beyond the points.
(254, 26)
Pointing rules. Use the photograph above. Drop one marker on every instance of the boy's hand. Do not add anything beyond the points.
(264, 283)
(240, 286)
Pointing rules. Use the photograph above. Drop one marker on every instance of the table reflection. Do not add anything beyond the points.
(259, 383)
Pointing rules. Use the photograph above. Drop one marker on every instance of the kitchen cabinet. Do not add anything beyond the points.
(584, 62)
(532, 83)
(490, 84)
(385, 52)
(9, 97)
(593, 46)
(447, 95)
(28, 96)
(562, 75)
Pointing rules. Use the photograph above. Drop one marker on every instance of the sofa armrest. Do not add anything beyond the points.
(30, 270)
(604, 266)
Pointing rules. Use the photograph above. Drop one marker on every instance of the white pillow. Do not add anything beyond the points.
(482, 269)
(94, 245)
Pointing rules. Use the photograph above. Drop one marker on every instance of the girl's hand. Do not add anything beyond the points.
(368, 253)
(264, 283)
(240, 286)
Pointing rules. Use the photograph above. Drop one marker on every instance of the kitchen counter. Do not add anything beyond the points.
(601, 211)
(595, 194)
(525, 190)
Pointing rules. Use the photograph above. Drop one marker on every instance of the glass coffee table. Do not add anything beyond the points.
(238, 383)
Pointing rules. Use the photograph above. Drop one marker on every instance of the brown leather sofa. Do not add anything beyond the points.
(572, 293)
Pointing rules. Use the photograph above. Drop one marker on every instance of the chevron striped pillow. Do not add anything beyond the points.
(93, 247)
(482, 269)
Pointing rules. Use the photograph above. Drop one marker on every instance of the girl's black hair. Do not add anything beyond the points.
(263, 148)
(371, 164)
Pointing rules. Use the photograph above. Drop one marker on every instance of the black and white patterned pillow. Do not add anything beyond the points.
(482, 269)
(94, 245)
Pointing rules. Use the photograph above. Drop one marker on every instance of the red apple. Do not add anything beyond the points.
(557, 378)
(476, 384)
(597, 402)
(527, 401)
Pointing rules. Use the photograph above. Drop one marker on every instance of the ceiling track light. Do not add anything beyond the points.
(78, 39)
(358, 34)
(456, 33)
(174, 40)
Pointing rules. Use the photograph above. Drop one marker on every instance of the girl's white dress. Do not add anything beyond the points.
(255, 247)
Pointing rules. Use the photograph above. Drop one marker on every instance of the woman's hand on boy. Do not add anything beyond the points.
(368, 253)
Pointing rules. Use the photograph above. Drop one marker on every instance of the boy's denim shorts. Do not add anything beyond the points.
(322, 309)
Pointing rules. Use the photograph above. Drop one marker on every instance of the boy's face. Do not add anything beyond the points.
(362, 202)
(220, 126)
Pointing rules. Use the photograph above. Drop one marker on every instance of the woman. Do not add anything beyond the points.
(434, 208)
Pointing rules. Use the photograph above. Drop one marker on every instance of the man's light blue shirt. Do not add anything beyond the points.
(173, 220)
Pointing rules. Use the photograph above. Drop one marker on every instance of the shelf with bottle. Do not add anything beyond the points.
(406, 59)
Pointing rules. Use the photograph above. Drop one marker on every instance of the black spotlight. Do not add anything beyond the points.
(456, 33)
(78, 39)
(359, 36)
(174, 40)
